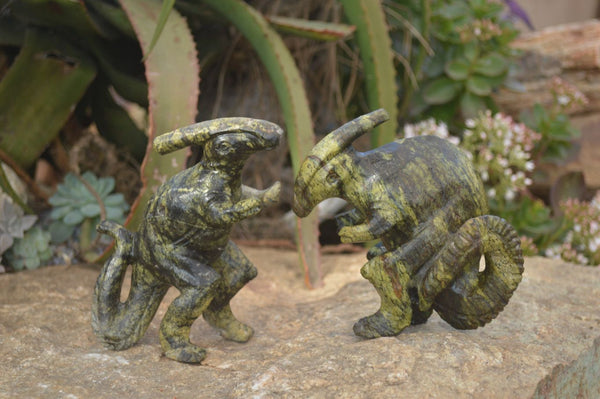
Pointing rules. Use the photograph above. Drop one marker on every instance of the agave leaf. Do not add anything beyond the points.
(113, 14)
(68, 15)
(167, 6)
(288, 84)
(128, 87)
(319, 30)
(12, 32)
(172, 74)
(378, 62)
(38, 94)
(6, 187)
(114, 123)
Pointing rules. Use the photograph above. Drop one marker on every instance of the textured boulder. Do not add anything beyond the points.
(304, 345)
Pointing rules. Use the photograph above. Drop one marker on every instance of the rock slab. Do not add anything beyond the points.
(304, 346)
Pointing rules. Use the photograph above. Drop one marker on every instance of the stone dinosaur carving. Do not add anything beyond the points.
(423, 200)
(183, 241)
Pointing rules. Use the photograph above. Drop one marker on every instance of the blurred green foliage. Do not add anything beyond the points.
(92, 61)
(84, 199)
(31, 251)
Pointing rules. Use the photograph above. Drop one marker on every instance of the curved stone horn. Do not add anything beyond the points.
(330, 146)
(198, 133)
(338, 140)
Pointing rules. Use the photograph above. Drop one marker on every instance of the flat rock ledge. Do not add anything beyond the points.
(304, 346)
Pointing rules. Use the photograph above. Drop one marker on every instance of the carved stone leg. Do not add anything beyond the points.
(236, 271)
(395, 312)
(175, 327)
(392, 274)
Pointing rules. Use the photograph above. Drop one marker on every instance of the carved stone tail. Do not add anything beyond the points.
(466, 297)
(118, 324)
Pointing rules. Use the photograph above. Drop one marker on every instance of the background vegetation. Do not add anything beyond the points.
(86, 85)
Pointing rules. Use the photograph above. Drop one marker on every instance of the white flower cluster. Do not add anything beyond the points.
(501, 151)
(429, 127)
(480, 29)
(582, 243)
(566, 95)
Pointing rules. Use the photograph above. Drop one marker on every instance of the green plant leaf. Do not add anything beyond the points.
(288, 84)
(441, 91)
(378, 62)
(67, 15)
(479, 85)
(116, 199)
(319, 30)
(90, 210)
(73, 218)
(115, 124)
(471, 51)
(58, 212)
(453, 10)
(113, 14)
(167, 6)
(114, 213)
(471, 105)
(458, 69)
(60, 232)
(39, 93)
(172, 74)
(492, 64)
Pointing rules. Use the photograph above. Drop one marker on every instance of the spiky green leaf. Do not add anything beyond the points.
(172, 74)
(319, 30)
(39, 93)
(378, 63)
(288, 84)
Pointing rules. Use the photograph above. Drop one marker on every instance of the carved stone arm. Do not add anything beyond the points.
(268, 196)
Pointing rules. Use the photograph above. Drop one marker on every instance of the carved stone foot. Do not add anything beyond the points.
(380, 325)
(189, 353)
(229, 327)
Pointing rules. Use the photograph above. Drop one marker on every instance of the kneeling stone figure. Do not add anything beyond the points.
(424, 202)
(183, 241)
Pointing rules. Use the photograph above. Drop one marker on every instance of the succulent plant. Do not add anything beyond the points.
(74, 204)
(30, 251)
(472, 57)
(13, 222)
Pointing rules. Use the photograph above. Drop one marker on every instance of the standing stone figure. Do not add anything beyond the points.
(183, 241)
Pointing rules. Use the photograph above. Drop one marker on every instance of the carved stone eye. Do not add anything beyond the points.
(332, 177)
(223, 147)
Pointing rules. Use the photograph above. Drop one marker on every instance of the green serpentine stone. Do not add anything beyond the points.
(423, 200)
(183, 242)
